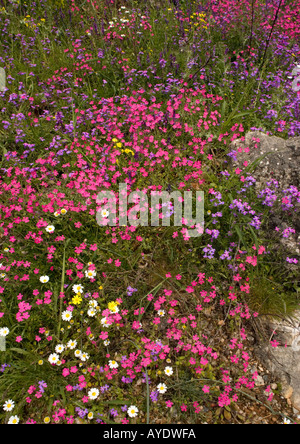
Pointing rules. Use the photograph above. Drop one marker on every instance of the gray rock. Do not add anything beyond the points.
(272, 157)
(276, 158)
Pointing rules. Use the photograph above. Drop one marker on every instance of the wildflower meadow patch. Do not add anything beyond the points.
(135, 260)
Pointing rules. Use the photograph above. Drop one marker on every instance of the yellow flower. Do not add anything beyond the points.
(77, 300)
(127, 151)
(112, 306)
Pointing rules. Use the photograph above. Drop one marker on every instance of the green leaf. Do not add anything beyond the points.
(116, 402)
(240, 235)
(227, 415)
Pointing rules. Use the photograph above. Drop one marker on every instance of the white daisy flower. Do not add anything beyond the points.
(63, 211)
(66, 315)
(105, 322)
(161, 313)
(132, 411)
(104, 213)
(84, 357)
(72, 344)
(91, 312)
(59, 348)
(90, 274)
(90, 415)
(113, 364)
(77, 288)
(13, 420)
(93, 393)
(169, 371)
(44, 279)
(162, 388)
(93, 303)
(53, 358)
(50, 229)
(106, 342)
(8, 405)
(4, 331)
(78, 353)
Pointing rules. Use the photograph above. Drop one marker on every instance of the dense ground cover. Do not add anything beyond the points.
(141, 324)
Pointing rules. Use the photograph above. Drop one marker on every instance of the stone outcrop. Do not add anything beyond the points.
(279, 159)
(276, 158)
(272, 157)
(284, 360)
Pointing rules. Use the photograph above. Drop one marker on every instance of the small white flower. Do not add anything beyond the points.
(84, 357)
(78, 353)
(44, 279)
(169, 371)
(13, 420)
(71, 344)
(105, 323)
(93, 303)
(90, 274)
(91, 312)
(162, 388)
(90, 415)
(161, 313)
(93, 393)
(286, 421)
(8, 405)
(104, 213)
(59, 348)
(66, 315)
(132, 411)
(77, 288)
(53, 358)
(106, 342)
(63, 211)
(113, 364)
(4, 331)
(50, 229)
(57, 213)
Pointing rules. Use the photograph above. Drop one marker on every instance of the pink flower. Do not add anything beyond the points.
(206, 389)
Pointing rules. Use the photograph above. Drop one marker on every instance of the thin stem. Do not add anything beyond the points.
(271, 32)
